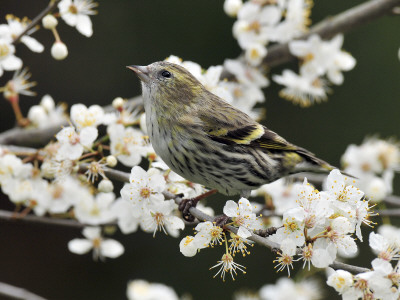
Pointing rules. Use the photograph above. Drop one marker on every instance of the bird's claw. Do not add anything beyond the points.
(185, 206)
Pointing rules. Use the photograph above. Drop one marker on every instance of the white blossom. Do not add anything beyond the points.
(95, 210)
(208, 234)
(101, 247)
(8, 61)
(286, 288)
(293, 227)
(144, 188)
(128, 144)
(139, 289)
(253, 23)
(340, 280)
(15, 27)
(323, 57)
(76, 14)
(255, 53)
(19, 85)
(73, 144)
(188, 246)
(84, 117)
(226, 265)
(242, 216)
(66, 194)
(124, 212)
(385, 248)
(301, 89)
(160, 217)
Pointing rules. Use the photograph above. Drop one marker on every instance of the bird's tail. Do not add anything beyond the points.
(314, 164)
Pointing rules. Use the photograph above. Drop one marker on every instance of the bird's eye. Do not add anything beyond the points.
(166, 74)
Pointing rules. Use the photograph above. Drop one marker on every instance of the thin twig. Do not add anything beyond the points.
(52, 5)
(37, 137)
(8, 216)
(14, 292)
(352, 269)
(34, 137)
(342, 22)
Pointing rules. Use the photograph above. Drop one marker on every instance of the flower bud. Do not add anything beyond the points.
(47, 169)
(37, 115)
(231, 7)
(49, 22)
(106, 186)
(59, 51)
(118, 103)
(47, 103)
(111, 161)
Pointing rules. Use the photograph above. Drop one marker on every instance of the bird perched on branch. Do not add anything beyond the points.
(208, 141)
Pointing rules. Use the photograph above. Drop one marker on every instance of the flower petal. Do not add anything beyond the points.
(32, 44)
(111, 248)
(84, 25)
(80, 246)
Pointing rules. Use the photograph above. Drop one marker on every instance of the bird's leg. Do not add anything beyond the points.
(187, 204)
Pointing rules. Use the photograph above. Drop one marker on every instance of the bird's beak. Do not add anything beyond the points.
(141, 71)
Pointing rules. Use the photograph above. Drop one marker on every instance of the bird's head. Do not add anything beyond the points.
(168, 81)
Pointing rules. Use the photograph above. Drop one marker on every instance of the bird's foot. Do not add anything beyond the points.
(221, 220)
(187, 204)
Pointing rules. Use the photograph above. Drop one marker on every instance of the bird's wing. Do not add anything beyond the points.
(252, 134)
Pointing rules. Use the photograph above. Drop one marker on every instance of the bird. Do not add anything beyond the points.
(208, 141)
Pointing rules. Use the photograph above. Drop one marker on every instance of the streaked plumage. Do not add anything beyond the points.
(208, 141)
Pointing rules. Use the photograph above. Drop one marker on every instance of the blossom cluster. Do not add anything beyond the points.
(74, 12)
(374, 162)
(318, 59)
(209, 234)
(284, 288)
(54, 184)
(316, 226)
(260, 23)
(382, 282)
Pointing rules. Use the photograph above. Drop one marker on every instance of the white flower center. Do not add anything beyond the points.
(4, 50)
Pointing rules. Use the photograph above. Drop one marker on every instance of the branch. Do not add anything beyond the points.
(37, 137)
(350, 268)
(52, 5)
(17, 293)
(8, 216)
(326, 29)
(34, 137)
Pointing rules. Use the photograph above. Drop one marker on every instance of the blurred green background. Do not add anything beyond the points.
(140, 32)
